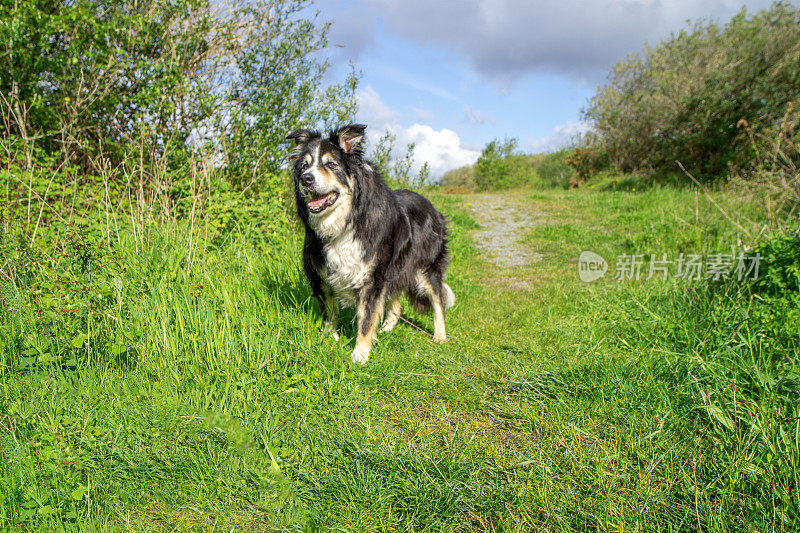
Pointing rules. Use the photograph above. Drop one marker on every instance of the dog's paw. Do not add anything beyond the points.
(360, 355)
(328, 329)
(439, 339)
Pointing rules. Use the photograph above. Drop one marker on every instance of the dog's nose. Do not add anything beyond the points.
(307, 179)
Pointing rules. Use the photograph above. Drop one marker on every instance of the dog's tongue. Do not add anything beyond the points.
(319, 201)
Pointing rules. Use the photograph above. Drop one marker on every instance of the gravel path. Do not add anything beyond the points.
(502, 224)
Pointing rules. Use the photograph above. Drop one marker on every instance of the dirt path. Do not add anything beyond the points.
(502, 226)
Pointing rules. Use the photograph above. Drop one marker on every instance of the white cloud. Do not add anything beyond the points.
(561, 136)
(441, 149)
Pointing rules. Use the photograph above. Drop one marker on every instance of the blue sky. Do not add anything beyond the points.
(453, 75)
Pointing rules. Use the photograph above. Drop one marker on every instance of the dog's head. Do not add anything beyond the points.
(323, 171)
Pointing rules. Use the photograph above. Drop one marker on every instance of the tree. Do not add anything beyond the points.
(89, 76)
(492, 170)
(95, 80)
(277, 85)
(683, 99)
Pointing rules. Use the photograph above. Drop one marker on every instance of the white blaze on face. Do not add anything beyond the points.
(319, 179)
(312, 160)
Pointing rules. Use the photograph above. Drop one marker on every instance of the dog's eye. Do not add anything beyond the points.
(332, 164)
(304, 166)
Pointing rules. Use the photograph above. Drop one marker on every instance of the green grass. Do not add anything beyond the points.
(151, 386)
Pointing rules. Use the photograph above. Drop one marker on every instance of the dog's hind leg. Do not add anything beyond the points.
(393, 315)
(439, 334)
(370, 309)
(433, 287)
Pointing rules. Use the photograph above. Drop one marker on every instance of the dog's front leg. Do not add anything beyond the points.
(370, 307)
(330, 312)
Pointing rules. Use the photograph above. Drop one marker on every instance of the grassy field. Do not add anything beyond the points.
(152, 385)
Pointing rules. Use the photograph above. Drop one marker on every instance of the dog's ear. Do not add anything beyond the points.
(350, 137)
(301, 136)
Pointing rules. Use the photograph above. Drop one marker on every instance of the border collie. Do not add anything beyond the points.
(366, 245)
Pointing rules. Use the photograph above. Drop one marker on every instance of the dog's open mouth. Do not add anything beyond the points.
(320, 202)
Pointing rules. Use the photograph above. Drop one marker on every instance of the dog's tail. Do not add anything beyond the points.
(449, 297)
(422, 303)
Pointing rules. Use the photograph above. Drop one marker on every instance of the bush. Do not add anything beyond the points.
(461, 178)
(554, 170)
(397, 170)
(79, 74)
(682, 99)
(492, 170)
(774, 176)
(97, 82)
(514, 170)
(587, 161)
(779, 274)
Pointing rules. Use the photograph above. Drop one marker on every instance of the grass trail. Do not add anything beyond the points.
(205, 397)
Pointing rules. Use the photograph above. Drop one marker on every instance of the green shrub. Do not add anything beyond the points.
(461, 178)
(98, 82)
(512, 170)
(587, 161)
(553, 170)
(492, 170)
(685, 98)
(777, 286)
(779, 273)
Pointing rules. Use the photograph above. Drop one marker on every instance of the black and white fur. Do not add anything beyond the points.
(366, 245)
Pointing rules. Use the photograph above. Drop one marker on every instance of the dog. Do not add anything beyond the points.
(366, 245)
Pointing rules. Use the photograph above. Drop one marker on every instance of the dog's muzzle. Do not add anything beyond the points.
(320, 202)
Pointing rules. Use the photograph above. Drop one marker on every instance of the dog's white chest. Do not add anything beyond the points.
(346, 269)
